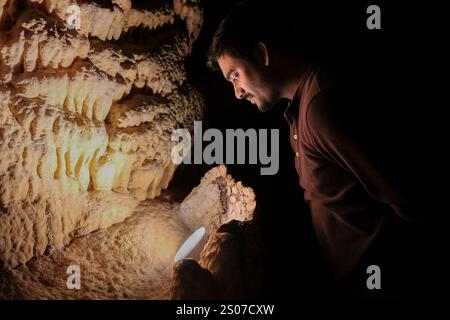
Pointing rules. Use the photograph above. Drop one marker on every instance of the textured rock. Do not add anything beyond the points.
(217, 200)
(45, 171)
(66, 167)
(9, 10)
(81, 88)
(129, 260)
(86, 117)
(230, 266)
(132, 259)
(39, 39)
(192, 282)
(105, 23)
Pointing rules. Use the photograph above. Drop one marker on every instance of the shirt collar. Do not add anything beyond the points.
(293, 106)
(292, 111)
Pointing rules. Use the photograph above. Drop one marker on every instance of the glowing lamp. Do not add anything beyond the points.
(190, 244)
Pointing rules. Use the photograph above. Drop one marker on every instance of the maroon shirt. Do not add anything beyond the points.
(348, 195)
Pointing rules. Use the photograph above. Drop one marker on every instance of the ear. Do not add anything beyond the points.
(262, 54)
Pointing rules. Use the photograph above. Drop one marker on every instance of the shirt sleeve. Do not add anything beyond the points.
(341, 132)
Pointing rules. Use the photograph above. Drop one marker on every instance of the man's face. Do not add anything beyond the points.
(250, 81)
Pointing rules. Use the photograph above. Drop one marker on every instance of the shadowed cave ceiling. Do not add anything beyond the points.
(86, 116)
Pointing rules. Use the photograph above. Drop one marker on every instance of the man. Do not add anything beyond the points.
(353, 199)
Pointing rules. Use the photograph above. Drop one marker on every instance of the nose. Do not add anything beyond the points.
(239, 92)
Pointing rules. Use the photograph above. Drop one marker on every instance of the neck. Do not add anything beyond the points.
(294, 73)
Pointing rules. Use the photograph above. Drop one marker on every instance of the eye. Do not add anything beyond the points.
(234, 76)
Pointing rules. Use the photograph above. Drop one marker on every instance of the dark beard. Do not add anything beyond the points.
(266, 107)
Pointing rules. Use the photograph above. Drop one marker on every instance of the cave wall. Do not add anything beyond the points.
(134, 259)
(86, 116)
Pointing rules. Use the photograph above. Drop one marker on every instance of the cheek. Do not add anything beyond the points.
(254, 82)
(254, 86)
(250, 80)
(261, 86)
(262, 91)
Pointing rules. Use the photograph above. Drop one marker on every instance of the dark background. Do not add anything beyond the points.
(403, 66)
(387, 75)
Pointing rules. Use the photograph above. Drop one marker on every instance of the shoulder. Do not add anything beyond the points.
(322, 92)
(326, 112)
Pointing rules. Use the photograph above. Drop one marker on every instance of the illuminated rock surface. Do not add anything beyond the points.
(230, 266)
(132, 259)
(86, 117)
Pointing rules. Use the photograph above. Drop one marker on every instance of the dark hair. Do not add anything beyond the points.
(247, 24)
(308, 28)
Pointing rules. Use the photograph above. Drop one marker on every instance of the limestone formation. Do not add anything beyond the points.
(230, 266)
(86, 116)
(132, 259)
(129, 260)
(221, 198)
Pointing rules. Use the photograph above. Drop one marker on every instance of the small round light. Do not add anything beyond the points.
(189, 245)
